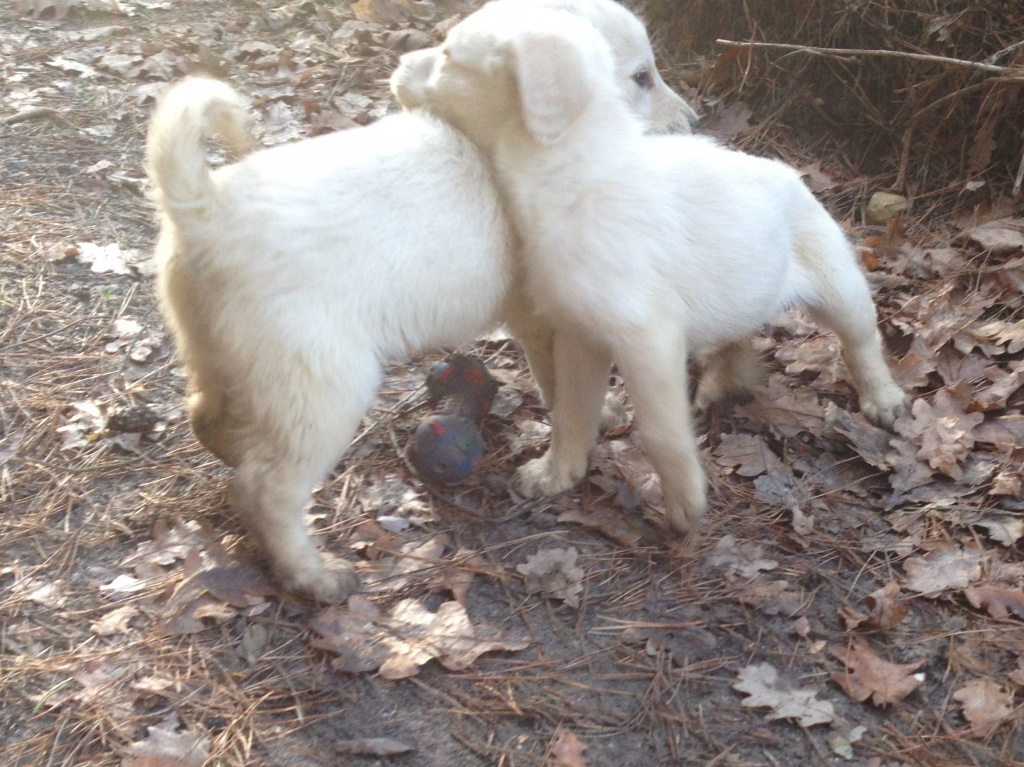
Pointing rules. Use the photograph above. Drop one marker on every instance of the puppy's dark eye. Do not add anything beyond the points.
(643, 79)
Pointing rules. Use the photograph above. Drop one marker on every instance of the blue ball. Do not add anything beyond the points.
(446, 448)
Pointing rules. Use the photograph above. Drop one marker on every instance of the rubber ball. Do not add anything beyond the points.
(446, 448)
(465, 383)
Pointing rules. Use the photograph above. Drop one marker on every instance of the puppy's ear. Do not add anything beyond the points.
(555, 85)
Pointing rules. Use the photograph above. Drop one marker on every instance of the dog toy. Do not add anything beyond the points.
(447, 445)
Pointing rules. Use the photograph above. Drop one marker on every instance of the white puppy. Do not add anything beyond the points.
(291, 277)
(642, 249)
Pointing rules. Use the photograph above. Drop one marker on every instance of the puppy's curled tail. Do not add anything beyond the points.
(189, 114)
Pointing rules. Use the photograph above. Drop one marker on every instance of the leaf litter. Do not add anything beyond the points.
(825, 532)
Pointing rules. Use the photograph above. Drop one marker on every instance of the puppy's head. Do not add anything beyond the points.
(498, 65)
(661, 108)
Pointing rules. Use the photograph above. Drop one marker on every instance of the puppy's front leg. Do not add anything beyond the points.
(653, 363)
(581, 372)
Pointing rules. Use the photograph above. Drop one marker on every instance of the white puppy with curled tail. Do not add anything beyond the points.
(291, 277)
(640, 249)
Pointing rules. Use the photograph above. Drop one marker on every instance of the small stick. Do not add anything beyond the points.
(32, 113)
(1010, 73)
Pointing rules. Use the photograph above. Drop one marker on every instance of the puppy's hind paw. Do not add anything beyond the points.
(886, 406)
(543, 477)
(331, 580)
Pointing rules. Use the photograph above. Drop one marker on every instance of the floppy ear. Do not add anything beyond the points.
(555, 85)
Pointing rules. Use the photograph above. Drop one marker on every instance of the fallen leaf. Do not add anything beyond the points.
(553, 572)
(771, 597)
(608, 522)
(1000, 601)
(767, 689)
(986, 706)
(1001, 237)
(869, 676)
(1003, 529)
(815, 178)
(944, 569)
(748, 453)
(942, 430)
(842, 738)
(745, 559)
(566, 750)
(886, 609)
(398, 644)
(117, 621)
(382, 11)
(169, 746)
(111, 258)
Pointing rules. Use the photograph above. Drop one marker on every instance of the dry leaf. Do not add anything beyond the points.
(1000, 601)
(566, 750)
(1003, 529)
(886, 609)
(943, 431)
(608, 522)
(745, 559)
(870, 676)
(1001, 237)
(944, 569)
(748, 452)
(771, 597)
(766, 689)
(399, 643)
(166, 746)
(986, 706)
(382, 11)
(554, 573)
(815, 178)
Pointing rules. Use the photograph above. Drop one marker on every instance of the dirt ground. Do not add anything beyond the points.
(855, 596)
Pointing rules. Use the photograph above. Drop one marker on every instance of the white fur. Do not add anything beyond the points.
(642, 249)
(292, 276)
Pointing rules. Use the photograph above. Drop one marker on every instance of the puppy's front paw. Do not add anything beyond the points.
(685, 508)
(544, 476)
(329, 580)
(885, 406)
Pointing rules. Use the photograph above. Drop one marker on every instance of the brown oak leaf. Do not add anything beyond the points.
(399, 643)
(748, 453)
(986, 706)
(1000, 601)
(942, 430)
(767, 689)
(886, 609)
(567, 750)
(870, 676)
(554, 573)
(944, 569)
(166, 746)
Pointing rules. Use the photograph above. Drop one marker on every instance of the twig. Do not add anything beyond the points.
(1009, 73)
(32, 113)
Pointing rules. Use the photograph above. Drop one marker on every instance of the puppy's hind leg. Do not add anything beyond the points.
(275, 477)
(537, 337)
(730, 371)
(653, 363)
(581, 370)
(842, 302)
(209, 413)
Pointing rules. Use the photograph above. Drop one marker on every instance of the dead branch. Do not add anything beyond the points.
(1008, 73)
